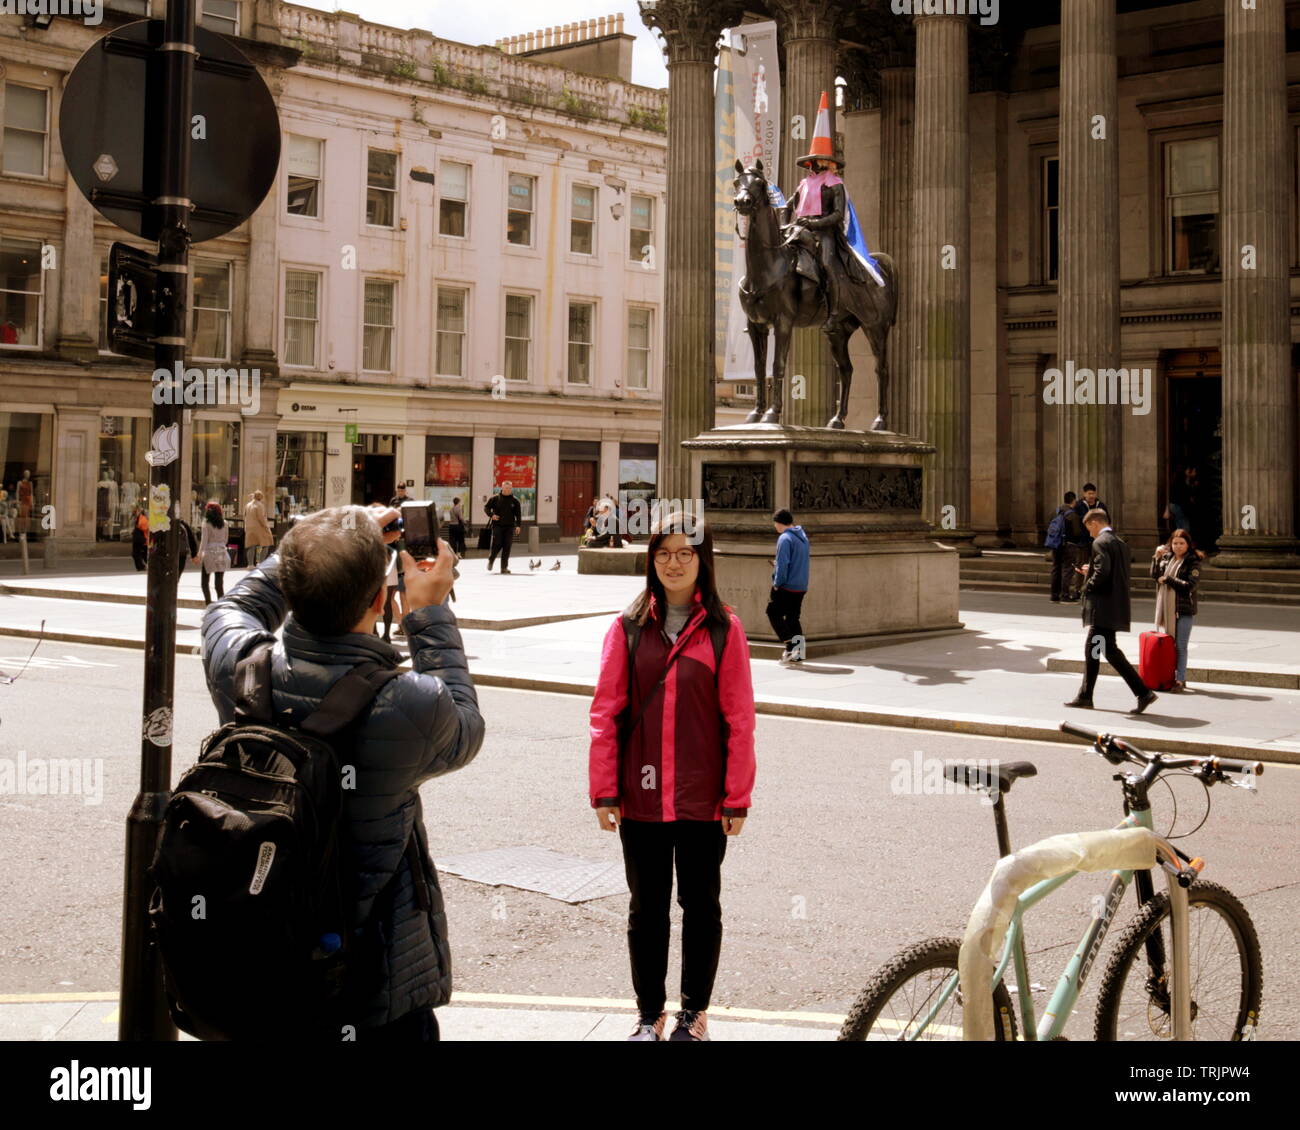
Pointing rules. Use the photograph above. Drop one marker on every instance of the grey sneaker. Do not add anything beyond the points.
(691, 1026)
(649, 1027)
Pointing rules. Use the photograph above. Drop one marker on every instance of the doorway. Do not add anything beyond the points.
(577, 488)
(1194, 468)
(374, 469)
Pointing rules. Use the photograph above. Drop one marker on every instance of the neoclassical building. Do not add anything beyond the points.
(447, 285)
(1106, 188)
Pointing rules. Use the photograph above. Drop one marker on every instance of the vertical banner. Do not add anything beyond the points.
(756, 81)
(725, 250)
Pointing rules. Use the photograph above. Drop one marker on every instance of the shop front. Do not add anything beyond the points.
(299, 475)
(26, 459)
(122, 485)
(449, 462)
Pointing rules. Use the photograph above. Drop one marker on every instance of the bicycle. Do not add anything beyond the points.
(917, 995)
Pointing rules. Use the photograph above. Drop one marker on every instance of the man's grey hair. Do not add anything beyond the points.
(332, 563)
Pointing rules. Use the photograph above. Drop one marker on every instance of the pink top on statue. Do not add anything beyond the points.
(808, 196)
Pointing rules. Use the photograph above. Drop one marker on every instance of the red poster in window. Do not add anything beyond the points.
(518, 470)
(451, 470)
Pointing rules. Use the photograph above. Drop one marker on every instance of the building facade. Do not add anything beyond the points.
(454, 282)
(1092, 205)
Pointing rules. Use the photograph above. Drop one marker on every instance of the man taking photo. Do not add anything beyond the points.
(327, 579)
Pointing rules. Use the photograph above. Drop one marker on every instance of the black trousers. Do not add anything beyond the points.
(783, 609)
(650, 849)
(221, 584)
(1115, 657)
(503, 537)
(1064, 579)
(139, 550)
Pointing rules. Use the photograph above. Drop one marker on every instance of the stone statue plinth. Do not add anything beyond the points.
(874, 571)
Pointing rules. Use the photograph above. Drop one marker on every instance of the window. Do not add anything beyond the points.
(639, 327)
(26, 122)
(453, 198)
(519, 214)
(1192, 205)
(21, 285)
(381, 188)
(581, 320)
(304, 161)
(220, 15)
(582, 220)
(643, 229)
(210, 324)
(377, 330)
(450, 361)
(1051, 213)
(299, 475)
(301, 317)
(519, 336)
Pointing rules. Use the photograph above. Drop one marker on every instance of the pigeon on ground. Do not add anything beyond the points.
(555, 567)
(534, 565)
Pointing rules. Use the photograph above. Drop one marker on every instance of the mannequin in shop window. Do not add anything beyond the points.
(107, 504)
(6, 523)
(128, 497)
(25, 499)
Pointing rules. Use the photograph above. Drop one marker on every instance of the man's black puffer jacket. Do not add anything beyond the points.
(422, 724)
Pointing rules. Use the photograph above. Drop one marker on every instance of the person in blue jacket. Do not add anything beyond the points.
(789, 584)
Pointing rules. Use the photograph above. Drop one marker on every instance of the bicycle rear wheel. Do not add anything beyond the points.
(897, 1000)
(1227, 974)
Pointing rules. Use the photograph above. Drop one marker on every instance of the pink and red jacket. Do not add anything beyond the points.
(692, 756)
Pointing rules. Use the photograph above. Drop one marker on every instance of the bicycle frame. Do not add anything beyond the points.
(1075, 976)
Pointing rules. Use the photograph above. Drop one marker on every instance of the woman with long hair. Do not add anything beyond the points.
(671, 764)
(212, 556)
(1176, 570)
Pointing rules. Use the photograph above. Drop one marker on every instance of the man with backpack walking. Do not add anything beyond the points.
(1064, 534)
(323, 916)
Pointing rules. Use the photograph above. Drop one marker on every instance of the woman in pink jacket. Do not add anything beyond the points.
(672, 764)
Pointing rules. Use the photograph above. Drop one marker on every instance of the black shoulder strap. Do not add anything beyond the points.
(347, 699)
(718, 633)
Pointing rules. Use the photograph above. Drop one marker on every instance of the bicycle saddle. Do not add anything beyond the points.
(978, 776)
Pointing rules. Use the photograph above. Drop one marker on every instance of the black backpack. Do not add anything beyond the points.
(251, 910)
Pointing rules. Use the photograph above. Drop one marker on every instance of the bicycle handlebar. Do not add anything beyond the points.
(1116, 750)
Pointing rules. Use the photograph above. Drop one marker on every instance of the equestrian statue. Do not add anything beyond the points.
(807, 264)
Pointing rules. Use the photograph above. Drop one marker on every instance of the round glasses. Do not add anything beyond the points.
(684, 556)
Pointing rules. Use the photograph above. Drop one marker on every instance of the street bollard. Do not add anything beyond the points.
(22, 541)
(534, 541)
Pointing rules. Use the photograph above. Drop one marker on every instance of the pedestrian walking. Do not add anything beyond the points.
(326, 587)
(504, 518)
(671, 764)
(258, 538)
(189, 545)
(139, 538)
(1176, 570)
(212, 557)
(1064, 536)
(457, 527)
(1106, 611)
(789, 586)
(1088, 501)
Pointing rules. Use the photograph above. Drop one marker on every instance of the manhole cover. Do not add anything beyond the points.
(531, 868)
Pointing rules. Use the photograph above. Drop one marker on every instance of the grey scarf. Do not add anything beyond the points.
(1167, 596)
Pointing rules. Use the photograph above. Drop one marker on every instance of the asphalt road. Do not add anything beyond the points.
(836, 869)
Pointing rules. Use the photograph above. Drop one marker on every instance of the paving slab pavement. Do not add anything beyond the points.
(1002, 676)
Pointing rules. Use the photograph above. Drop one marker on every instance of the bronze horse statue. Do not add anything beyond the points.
(776, 297)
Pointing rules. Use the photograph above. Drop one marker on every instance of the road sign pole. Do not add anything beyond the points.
(142, 1008)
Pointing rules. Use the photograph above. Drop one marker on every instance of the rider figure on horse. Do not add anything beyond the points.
(814, 221)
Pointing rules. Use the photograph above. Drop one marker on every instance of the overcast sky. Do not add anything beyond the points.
(486, 21)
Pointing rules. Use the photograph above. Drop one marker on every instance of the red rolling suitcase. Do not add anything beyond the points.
(1157, 657)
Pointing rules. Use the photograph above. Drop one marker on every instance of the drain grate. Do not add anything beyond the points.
(532, 868)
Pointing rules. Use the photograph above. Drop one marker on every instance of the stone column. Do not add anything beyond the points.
(939, 287)
(691, 29)
(809, 31)
(1088, 321)
(897, 113)
(78, 279)
(1259, 405)
(1030, 504)
(261, 299)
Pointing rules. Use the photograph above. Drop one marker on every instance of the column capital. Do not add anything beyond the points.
(800, 19)
(690, 28)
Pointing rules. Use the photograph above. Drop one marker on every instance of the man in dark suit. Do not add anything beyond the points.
(1106, 611)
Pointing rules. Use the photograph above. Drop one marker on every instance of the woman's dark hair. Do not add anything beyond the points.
(455, 500)
(212, 514)
(1192, 551)
(700, 537)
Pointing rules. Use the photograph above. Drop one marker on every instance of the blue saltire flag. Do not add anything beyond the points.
(775, 195)
(858, 243)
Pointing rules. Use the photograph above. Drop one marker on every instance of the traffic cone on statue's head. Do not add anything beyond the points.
(823, 145)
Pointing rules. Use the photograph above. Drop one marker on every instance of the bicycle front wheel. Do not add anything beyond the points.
(899, 1002)
(1227, 974)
